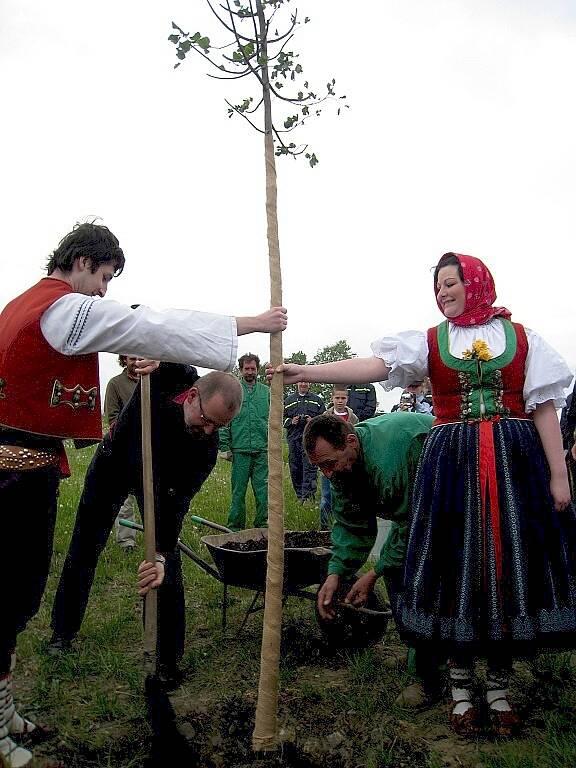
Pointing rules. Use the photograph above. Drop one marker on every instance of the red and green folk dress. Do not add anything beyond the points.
(489, 561)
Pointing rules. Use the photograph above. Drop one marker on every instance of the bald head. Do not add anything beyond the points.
(224, 384)
(212, 402)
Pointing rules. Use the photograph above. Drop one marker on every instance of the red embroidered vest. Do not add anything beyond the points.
(41, 390)
(473, 390)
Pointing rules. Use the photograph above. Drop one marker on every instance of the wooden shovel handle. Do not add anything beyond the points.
(151, 604)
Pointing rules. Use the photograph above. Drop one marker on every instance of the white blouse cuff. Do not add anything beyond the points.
(406, 354)
(543, 394)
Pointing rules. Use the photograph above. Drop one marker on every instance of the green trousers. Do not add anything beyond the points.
(245, 467)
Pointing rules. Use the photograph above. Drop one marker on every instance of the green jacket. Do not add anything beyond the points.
(379, 486)
(248, 431)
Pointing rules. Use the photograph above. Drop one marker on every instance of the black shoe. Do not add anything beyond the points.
(170, 675)
(59, 644)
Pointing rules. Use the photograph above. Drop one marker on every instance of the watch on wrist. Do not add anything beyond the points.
(160, 558)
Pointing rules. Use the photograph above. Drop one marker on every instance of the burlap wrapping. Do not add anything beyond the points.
(265, 735)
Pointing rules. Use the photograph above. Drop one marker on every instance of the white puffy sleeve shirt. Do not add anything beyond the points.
(78, 324)
(546, 375)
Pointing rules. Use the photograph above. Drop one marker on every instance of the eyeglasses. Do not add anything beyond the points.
(206, 420)
(329, 465)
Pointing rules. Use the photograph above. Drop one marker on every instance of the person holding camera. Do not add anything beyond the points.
(414, 399)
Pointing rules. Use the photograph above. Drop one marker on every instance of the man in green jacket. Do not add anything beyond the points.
(371, 468)
(245, 443)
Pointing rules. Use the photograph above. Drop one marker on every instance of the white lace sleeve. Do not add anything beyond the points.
(546, 376)
(77, 324)
(406, 354)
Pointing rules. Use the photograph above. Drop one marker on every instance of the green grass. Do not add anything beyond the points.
(94, 695)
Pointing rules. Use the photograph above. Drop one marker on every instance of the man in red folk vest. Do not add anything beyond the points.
(50, 337)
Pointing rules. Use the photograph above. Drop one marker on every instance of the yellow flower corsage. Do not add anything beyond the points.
(480, 351)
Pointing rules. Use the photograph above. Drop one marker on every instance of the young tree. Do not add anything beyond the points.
(256, 49)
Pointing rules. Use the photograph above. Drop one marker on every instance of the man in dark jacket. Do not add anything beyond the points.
(299, 408)
(362, 400)
(186, 413)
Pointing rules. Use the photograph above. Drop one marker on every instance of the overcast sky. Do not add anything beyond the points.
(460, 136)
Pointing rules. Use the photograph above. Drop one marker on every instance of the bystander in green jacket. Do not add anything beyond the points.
(245, 442)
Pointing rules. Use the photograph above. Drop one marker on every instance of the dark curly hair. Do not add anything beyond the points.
(448, 259)
(249, 357)
(329, 427)
(88, 240)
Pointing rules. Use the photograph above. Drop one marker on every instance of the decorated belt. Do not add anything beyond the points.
(18, 459)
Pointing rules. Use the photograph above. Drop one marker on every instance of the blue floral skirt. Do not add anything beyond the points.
(480, 575)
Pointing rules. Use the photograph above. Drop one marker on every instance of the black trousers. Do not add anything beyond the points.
(105, 488)
(302, 473)
(28, 503)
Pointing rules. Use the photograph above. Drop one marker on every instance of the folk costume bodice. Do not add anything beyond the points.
(483, 386)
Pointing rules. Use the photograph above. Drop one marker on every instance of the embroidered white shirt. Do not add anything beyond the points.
(76, 324)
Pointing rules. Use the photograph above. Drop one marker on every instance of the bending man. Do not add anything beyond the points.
(186, 412)
(371, 469)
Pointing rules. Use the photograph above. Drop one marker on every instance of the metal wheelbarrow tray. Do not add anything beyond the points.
(303, 566)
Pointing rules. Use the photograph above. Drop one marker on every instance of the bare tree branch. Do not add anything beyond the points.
(281, 37)
(233, 76)
(221, 20)
(291, 151)
(232, 106)
(256, 35)
(255, 109)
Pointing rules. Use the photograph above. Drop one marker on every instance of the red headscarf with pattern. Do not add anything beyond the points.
(480, 293)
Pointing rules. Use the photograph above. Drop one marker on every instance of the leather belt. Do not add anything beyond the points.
(15, 458)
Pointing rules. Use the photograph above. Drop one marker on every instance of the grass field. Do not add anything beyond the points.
(335, 709)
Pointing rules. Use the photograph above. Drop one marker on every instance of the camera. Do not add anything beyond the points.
(407, 402)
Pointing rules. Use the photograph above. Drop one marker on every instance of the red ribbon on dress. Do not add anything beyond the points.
(488, 484)
(64, 466)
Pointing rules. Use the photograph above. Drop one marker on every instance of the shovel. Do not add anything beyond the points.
(167, 741)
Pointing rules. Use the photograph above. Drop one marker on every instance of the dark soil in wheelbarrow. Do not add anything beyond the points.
(292, 540)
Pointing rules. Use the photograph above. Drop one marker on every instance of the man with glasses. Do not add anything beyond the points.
(186, 414)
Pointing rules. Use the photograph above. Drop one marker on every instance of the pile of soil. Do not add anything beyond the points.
(292, 540)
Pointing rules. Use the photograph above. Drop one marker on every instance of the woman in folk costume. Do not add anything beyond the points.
(491, 557)
(490, 565)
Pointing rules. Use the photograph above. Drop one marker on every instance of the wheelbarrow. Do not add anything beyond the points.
(240, 560)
